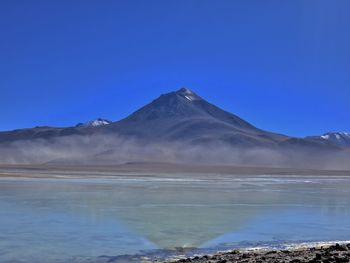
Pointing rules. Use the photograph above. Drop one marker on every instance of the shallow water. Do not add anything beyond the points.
(99, 219)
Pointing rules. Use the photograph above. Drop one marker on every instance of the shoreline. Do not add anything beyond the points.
(155, 169)
(325, 253)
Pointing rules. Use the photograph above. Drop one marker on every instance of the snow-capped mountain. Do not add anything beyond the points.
(94, 123)
(338, 138)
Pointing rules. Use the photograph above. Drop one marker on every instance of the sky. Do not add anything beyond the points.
(281, 65)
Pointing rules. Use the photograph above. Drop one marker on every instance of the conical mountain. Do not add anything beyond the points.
(184, 116)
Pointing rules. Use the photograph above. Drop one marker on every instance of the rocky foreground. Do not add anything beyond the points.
(335, 253)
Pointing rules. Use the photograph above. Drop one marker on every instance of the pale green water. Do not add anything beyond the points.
(79, 220)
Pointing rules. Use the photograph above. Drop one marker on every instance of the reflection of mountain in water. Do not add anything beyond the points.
(169, 214)
(172, 227)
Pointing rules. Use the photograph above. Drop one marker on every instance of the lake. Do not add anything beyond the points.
(112, 219)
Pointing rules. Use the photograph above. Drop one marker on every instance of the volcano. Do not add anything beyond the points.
(185, 116)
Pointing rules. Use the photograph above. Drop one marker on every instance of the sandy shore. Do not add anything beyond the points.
(334, 253)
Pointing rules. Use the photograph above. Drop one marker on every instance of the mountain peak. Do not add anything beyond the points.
(185, 108)
(94, 123)
(336, 138)
(336, 135)
(185, 90)
(188, 94)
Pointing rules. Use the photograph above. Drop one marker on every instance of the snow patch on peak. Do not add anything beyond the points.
(188, 94)
(339, 138)
(336, 134)
(190, 98)
(95, 123)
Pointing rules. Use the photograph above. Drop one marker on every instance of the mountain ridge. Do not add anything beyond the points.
(341, 139)
(180, 115)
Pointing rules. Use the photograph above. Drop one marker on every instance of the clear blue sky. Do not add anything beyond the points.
(282, 65)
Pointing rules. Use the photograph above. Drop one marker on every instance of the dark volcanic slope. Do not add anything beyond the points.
(184, 116)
